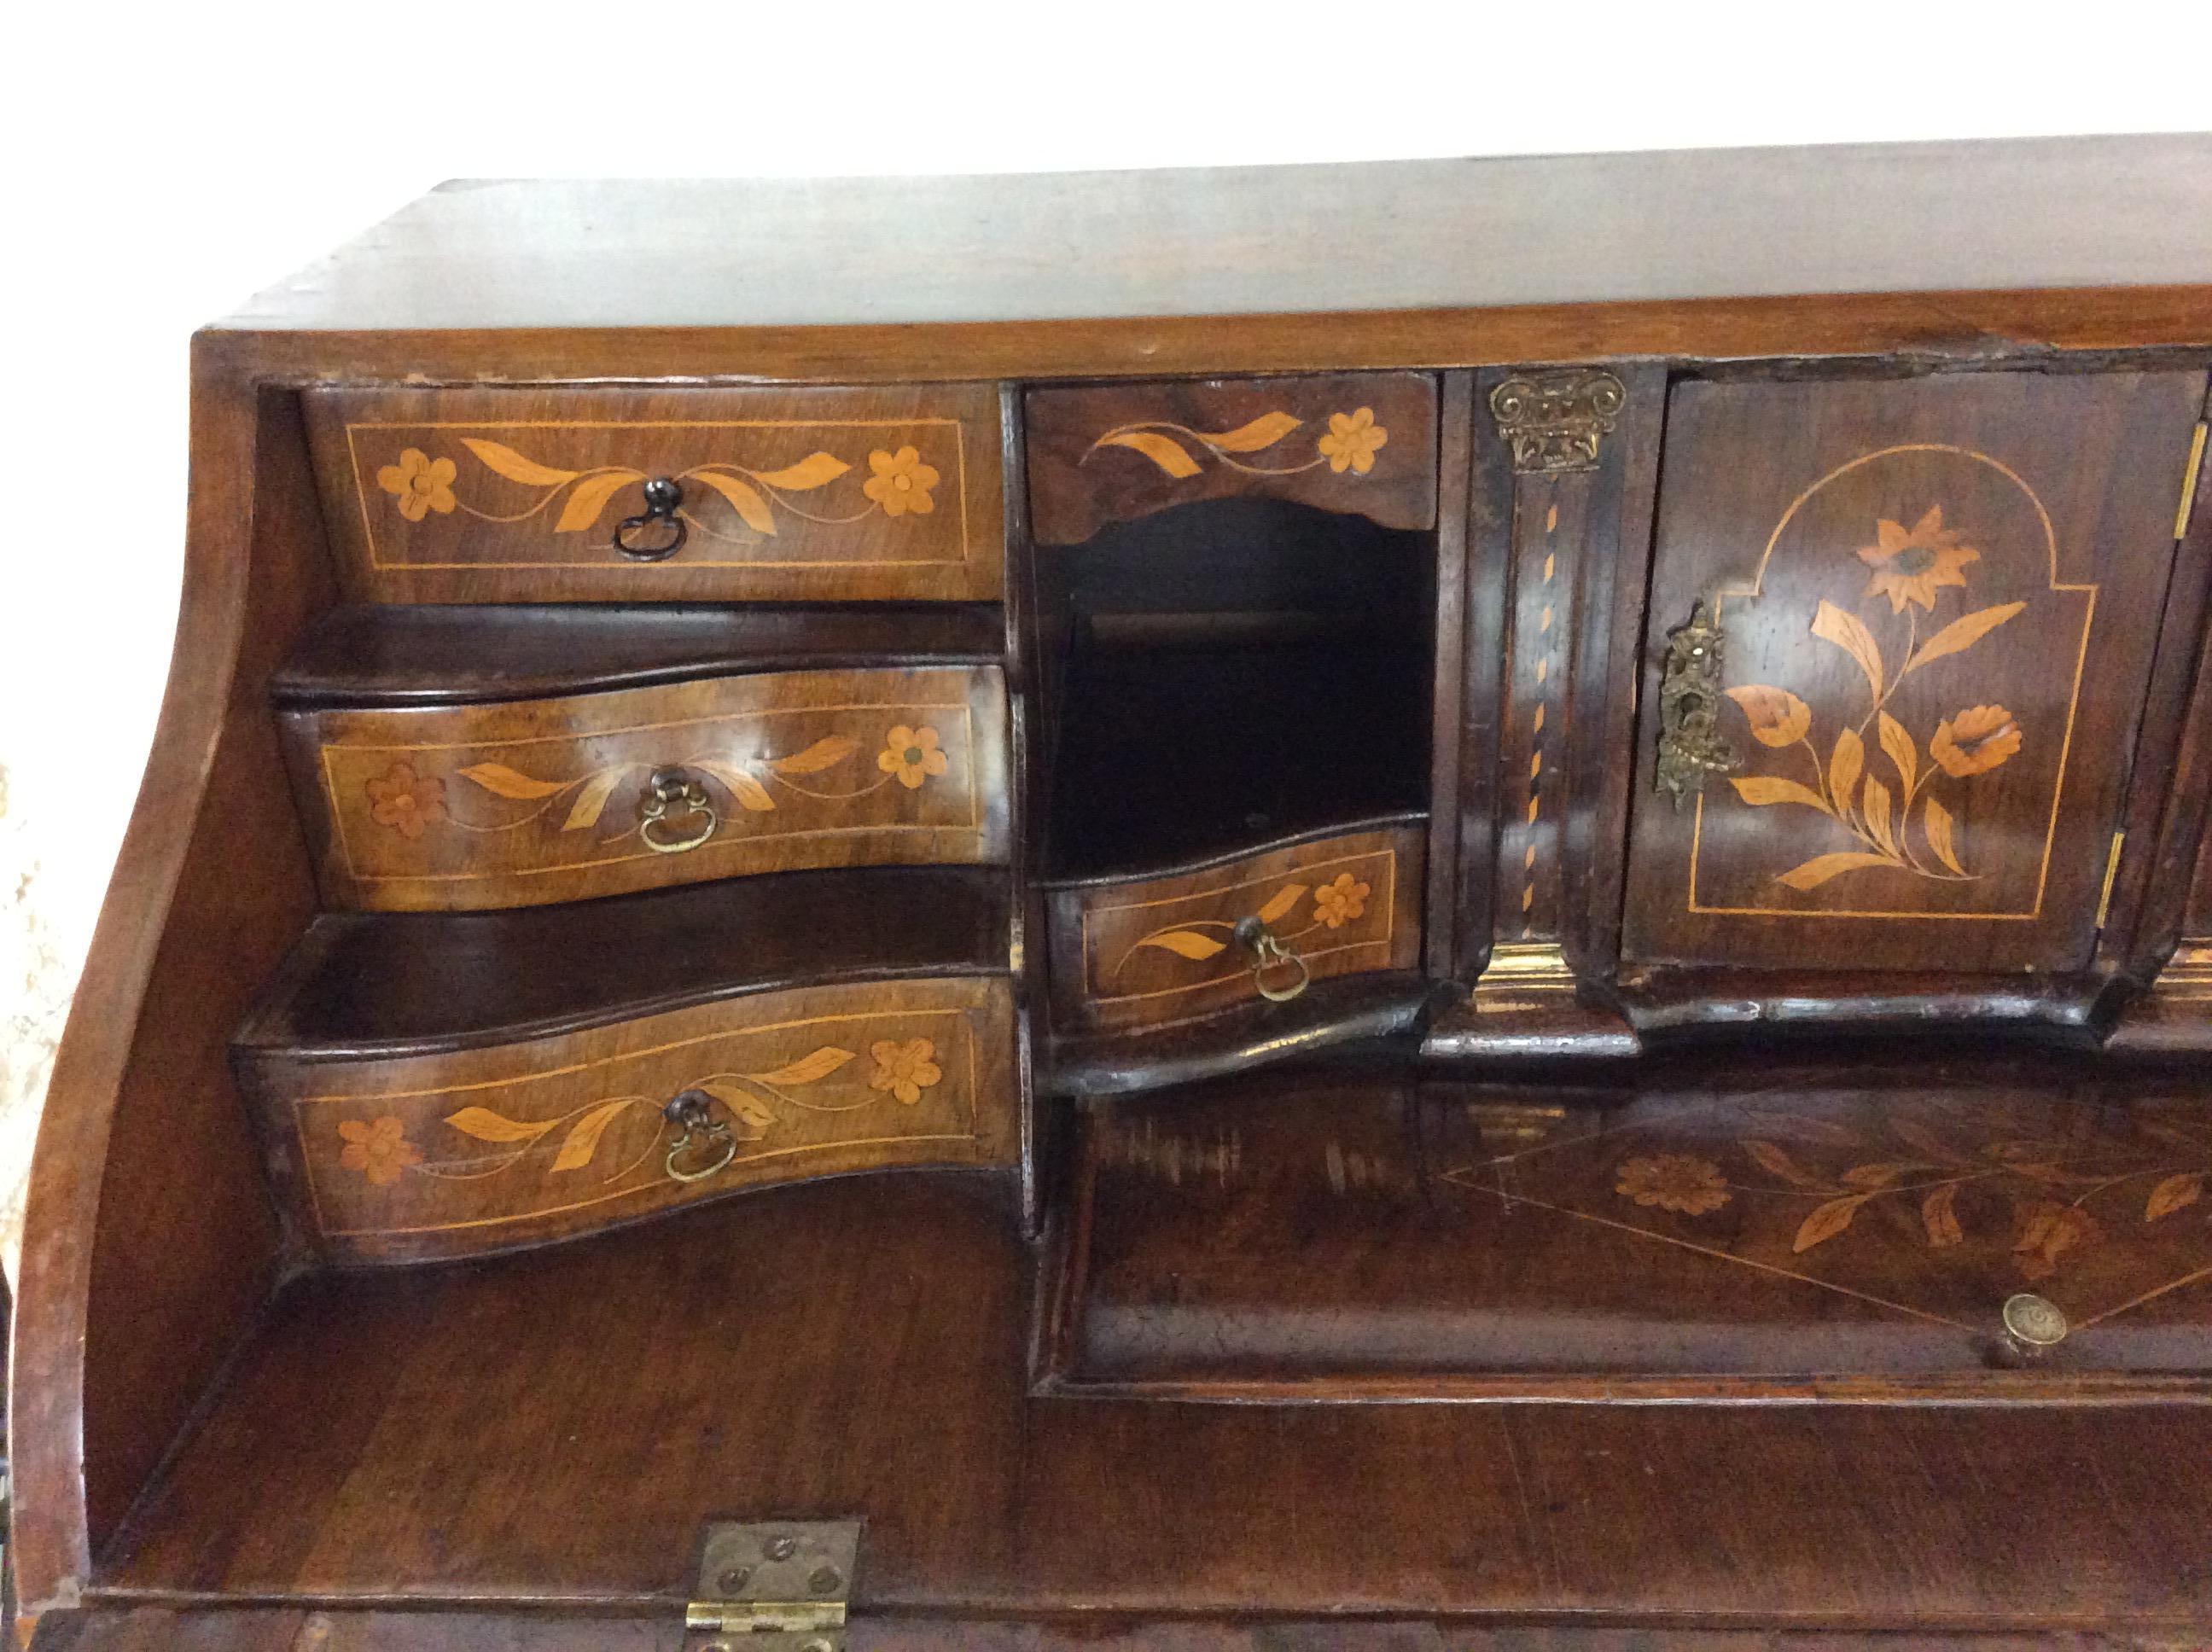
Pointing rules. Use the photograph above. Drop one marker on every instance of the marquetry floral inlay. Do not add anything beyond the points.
(2042, 1197)
(751, 1106)
(898, 484)
(420, 483)
(406, 800)
(378, 1148)
(1875, 807)
(1334, 904)
(1350, 442)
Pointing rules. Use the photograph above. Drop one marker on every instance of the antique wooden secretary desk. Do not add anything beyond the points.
(1448, 904)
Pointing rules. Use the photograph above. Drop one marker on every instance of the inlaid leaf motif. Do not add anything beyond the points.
(1184, 943)
(744, 787)
(1821, 867)
(1825, 1223)
(1937, 820)
(1874, 803)
(1763, 789)
(1848, 632)
(589, 497)
(584, 1141)
(1940, 1217)
(487, 1125)
(1280, 902)
(505, 461)
(752, 510)
(1876, 1176)
(752, 1115)
(501, 782)
(1263, 432)
(2048, 1230)
(1775, 1161)
(1778, 716)
(815, 470)
(1901, 749)
(808, 1069)
(1168, 455)
(825, 753)
(1845, 764)
(1962, 634)
(592, 799)
(2172, 1194)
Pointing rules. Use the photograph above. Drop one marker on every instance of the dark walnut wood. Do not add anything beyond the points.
(401, 1158)
(1547, 1138)
(431, 654)
(1360, 443)
(438, 808)
(517, 495)
(1933, 600)
(1149, 952)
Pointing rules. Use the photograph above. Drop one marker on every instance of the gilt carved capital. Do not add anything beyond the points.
(1555, 421)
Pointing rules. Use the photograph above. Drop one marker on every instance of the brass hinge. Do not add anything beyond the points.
(780, 1586)
(2112, 871)
(2188, 482)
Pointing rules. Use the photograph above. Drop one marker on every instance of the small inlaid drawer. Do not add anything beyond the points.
(419, 1157)
(1143, 952)
(1363, 444)
(521, 802)
(563, 493)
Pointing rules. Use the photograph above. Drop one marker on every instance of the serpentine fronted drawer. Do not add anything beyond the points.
(517, 803)
(546, 493)
(1135, 952)
(420, 1157)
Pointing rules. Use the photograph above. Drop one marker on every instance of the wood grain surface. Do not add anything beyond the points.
(1937, 601)
(517, 804)
(515, 495)
(1148, 952)
(1360, 443)
(412, 1157)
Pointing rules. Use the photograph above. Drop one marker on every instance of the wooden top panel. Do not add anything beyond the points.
(1402, 235)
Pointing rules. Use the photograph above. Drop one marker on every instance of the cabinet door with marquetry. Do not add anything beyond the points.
(1900, 637)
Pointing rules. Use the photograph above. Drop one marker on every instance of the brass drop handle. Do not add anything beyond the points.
(1270, 954)
(664, 499)
(672, 793)
(692, 1112)
(1691, 744)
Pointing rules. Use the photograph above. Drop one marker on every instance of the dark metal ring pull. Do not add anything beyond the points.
(692, 1111)
(664, 497)
(673, 795)
(1268, 953)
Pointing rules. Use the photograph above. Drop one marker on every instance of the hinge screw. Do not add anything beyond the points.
(817, 1644)
(780, 1548)
(734, 1579)
(826, 1579)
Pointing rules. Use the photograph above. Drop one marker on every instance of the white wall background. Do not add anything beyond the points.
(166, 162)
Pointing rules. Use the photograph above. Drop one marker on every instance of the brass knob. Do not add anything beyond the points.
(2033, 1325)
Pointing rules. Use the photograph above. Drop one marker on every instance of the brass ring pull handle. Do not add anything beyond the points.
(1691, 744)
(1270, 954)
(664, 497)
(693, 1110)
(673, 793)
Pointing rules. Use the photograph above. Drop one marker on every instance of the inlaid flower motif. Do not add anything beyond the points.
(1352, 441)
(911, 754)
(379, 1149)
(901, 483)
(1336, 904)
(407, 801)
(1977, 739)
(905, 1069)
(1673, 1182)
(420, 483)
(1910, 563)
